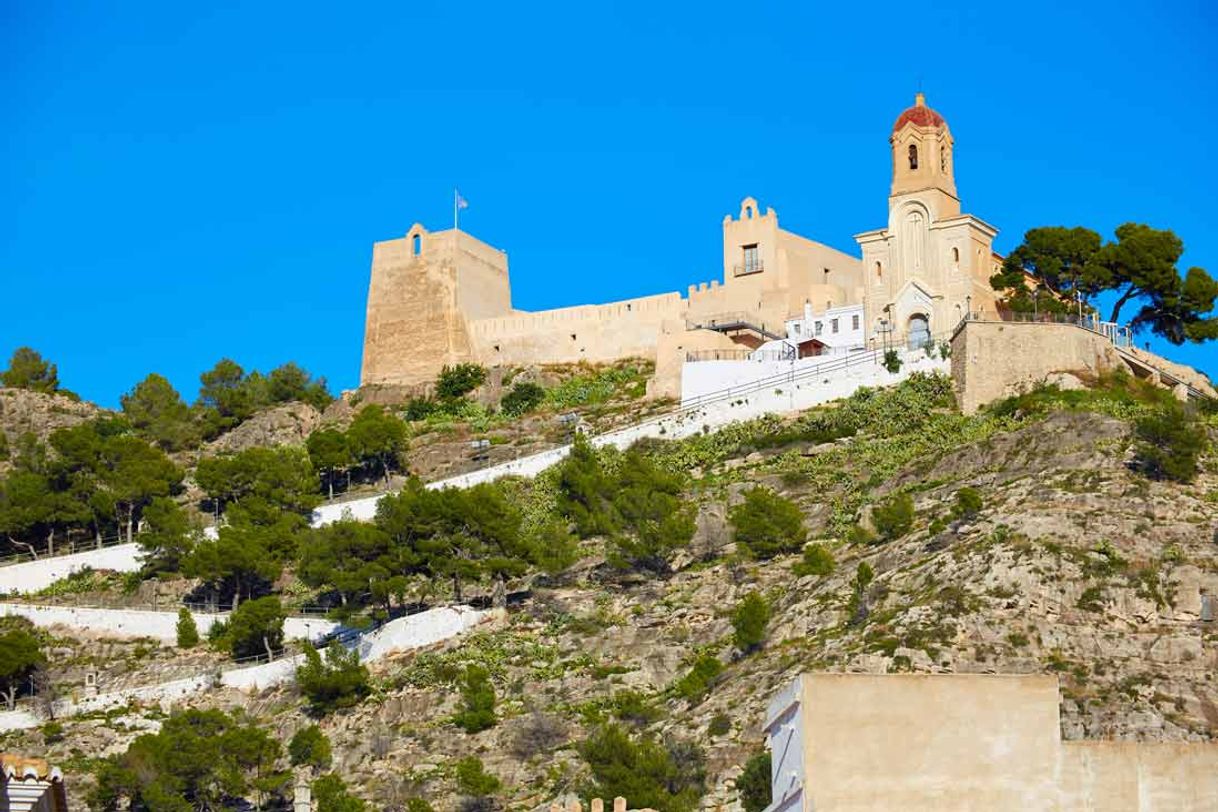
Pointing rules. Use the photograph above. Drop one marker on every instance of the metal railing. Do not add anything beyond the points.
(67, 548)
(748, 268)
(789, 354)
(73, 602)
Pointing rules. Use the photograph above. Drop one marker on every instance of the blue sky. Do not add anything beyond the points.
(183, 182)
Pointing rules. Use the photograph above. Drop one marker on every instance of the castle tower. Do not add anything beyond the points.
(932, 263)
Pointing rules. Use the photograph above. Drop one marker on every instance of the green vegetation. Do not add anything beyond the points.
(198, 760)
(817, 560)
(1170, 443)
(337, 681)
(893, 517)
(701, 677)
(477, 701)
(892, 361)
(228, 396)
(458, 381)
(968, 503)
(331, 795)
(476, 784)
(749, 620)
(254, 629)
(20, 657)
(523, 398)
(376, 438)
(767, 525)
(330, 453)
(157, 412)
(668, 777)
(1140, 266)
(27, 369)
(754, 782)
(720, 725)
(309, 747)
(187, 631)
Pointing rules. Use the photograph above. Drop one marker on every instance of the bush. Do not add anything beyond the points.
(754, 782)
(968, 503)
(1170, 441)
(635, 708)
(720, 724)
(892, 361)
(418, 805)
(478, 701)
(538, 734)
(188, 632)
(341, 681)
(309, 747)
(420, 408)
(330, 795)
(458, 381)
(474, 780)
(523, 398)
(669, 777)
(697, 683)
(894, 517)
(749, 621)
(817, 560)
(767, 524)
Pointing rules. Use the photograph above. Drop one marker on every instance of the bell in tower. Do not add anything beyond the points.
(922, 157)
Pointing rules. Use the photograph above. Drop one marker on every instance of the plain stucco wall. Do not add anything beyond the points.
(31, 576)
(930, 742)
(1139, 776)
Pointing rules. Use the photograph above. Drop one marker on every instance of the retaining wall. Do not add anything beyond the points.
(35, 575)
(160, 626)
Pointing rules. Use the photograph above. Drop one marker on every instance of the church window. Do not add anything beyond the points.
(833, 325)
(629, 307)
(879, 273)
(956, 255)
(854, 322)
(913, 156)
(573, 336)
(416, 244)
(942, 158)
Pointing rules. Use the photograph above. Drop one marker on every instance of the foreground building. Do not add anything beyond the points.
(444, 297)
(30, 785)
(964, 742)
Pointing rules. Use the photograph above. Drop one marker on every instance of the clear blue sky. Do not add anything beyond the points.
(181, 182)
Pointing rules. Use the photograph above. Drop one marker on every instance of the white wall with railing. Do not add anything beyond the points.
(31, 576)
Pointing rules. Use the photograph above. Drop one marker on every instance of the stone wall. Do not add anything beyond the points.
(994, 360)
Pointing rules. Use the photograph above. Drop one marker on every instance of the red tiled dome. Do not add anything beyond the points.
(920, 115)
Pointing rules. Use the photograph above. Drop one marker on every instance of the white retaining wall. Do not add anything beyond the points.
(792, 396)
(35, 575)
(417, 631)
(160, 626)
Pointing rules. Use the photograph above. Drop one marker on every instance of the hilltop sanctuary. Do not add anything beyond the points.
(444, 297)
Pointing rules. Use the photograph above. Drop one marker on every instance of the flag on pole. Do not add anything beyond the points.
(462, 203)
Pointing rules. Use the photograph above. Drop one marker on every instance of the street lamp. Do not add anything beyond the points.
(968, 307)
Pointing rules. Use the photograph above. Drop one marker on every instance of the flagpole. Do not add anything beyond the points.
(454, 208)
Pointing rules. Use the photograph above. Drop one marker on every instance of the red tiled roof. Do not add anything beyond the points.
(919, 115)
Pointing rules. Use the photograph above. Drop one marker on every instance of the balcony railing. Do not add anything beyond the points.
(748, 268)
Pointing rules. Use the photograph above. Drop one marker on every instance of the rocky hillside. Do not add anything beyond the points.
(1032, 546)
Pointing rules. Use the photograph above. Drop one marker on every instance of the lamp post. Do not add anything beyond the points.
(968, 307)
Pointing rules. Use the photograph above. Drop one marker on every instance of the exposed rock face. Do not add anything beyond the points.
(24, 411)
(288, 424)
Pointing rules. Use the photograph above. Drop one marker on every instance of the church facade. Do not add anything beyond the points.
(438, 298)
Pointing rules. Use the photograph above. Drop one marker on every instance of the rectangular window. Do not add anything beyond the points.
(820, 327)
(796, 328)
(752, 259)
(854, 322)
(833, 325)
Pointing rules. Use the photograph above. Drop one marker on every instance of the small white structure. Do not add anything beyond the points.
(832, 331)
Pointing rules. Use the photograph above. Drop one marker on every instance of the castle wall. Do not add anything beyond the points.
(592, 333)
(1143, 776)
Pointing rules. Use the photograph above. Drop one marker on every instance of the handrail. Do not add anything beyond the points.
(73, 549)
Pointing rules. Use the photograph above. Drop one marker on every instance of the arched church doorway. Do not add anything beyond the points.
(919, 331)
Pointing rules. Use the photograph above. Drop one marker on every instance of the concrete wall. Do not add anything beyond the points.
(160, 626)
(995, 359)
(929, 742)
(31, 576)
(964, 742)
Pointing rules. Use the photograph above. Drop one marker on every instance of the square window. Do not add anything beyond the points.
(854, 322)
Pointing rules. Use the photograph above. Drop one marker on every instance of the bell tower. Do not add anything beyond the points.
(922, 160)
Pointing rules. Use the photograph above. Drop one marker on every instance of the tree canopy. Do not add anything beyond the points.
(27, 369)
(1138, 267)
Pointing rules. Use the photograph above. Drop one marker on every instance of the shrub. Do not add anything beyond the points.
(310, 747)
(1092, 599)
(701, 677)
(749, 621)
(817, 560)
(330, 795)
(635, 708)
(420, 409)
(720, 724)
(968, 503)
(458, 381)
(538, 734)
(188, 632)
(894, 517)
(478, 701)
(767, 524)
(52, 732)
(418, 805)
(754, 782)
(1170, 441)
(522, 398)
(670, 776)
(340, 681)
(474, 780)
(892, 361)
